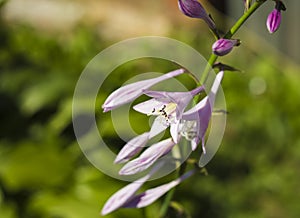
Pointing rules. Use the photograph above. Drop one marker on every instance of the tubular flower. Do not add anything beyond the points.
(132, 91)
(200, 116)
(123, 195)
(148, 157)
(132, 147)
(127, 197)
(193, 9)
(223, 46)
(167, 106)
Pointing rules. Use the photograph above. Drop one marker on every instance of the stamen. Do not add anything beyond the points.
(167, 111)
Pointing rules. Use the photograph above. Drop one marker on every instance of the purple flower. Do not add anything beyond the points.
(132, 91)
(167, 106)
(148, 157)
(196, 120)
(224, 46)
(123, 195)
(192, 8)
(132, 147)
(274, 20)
(126, 197)
(149, 196)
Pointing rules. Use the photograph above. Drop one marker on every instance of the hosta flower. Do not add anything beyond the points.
(132, 91)
(167, 106)
(200, 116)
(191, 124)
(122, 196)
(223, 46)
(192, 8)
(127, 197)
(148, 157)
(132, 147)
(149, 196)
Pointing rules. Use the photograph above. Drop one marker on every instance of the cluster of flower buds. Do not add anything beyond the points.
(274, 18)
(192, 8)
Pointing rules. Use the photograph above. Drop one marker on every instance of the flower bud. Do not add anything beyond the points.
(224, 46)
(273, 21)
(274, 18)
(193, 9)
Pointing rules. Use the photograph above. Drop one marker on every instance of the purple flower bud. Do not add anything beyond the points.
(192, 8)
(273, 21)
(224, 46)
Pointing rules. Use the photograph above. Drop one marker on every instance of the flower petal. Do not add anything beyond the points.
(158, 126)
(132, 147)
(148, 157)
(130, 92)
(203, 110)
(151, 195)
(174, 130)
(118, 199)
(147, 107)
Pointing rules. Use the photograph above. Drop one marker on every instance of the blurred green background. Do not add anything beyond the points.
(45, 45)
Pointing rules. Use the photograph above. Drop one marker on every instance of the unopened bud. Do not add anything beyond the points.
(224, 46)
(273, 21)
(193, 9)
(274, 18)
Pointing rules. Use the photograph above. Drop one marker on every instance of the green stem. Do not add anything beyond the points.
(213, 58)
(165, 206)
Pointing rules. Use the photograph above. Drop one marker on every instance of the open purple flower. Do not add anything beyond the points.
(192, 8)
(167, 106)
(196, 120)
(132, 91)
